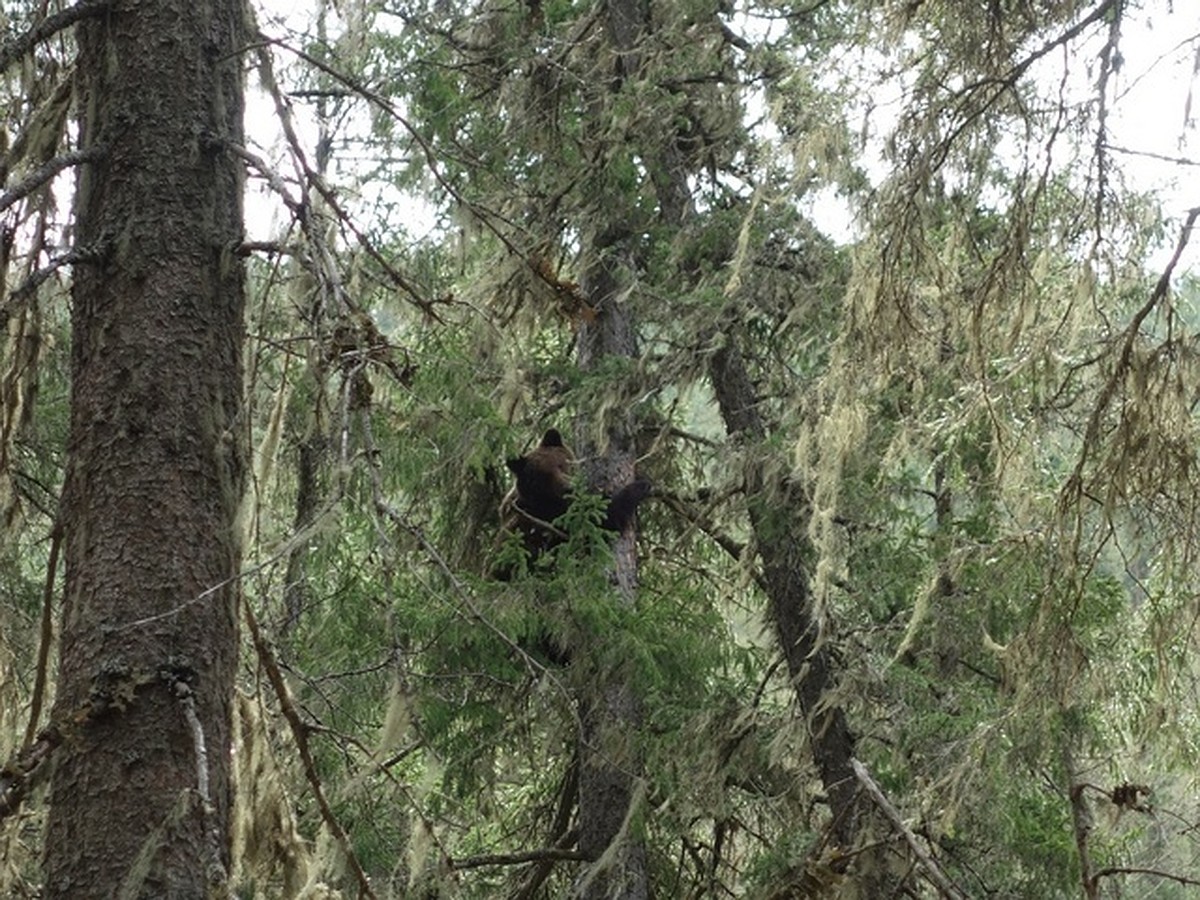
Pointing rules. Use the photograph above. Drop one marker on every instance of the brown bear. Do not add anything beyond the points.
(543, 492)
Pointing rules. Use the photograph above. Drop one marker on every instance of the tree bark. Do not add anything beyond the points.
(791, 608)
(610, 767)
(141, 792)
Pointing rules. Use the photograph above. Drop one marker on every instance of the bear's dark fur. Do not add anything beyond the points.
(543, 492)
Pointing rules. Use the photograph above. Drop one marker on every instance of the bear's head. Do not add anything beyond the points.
(543, 475)
(543, 492)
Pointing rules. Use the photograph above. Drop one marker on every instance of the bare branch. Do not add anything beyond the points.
(1109, 61)
(271, 248)
(13, 50)
(1150, 154)
(45, 642)
(40, 176)
(19, 775)
(517, 859)
(300, 731)
(187, 698)
(933, 871)
(38, 278)
(274, 180)
(1133, 870)
(314, 180)
(533, 261)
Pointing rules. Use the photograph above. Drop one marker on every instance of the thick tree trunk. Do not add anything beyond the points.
(610, 767)
(141, 793)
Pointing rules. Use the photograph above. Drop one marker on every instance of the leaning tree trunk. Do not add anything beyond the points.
(141, 792)
(780, 548)
(790, 599)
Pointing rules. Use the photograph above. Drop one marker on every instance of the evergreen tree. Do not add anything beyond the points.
(910, 608)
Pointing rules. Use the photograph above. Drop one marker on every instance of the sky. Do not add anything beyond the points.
(1155, 106)
(1152, 118)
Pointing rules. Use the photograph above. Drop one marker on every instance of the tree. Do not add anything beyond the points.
(141, 794)
(911, 607)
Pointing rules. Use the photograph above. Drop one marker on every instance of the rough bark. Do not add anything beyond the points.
(141, 793)
(610, 768)
(782, 553)
(610, 714)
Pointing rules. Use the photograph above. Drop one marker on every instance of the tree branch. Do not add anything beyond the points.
(187, 699)
(20, 774)
(1091, 438)
(23, 771)
(1134, 870)
(13, 50)
(45, 642)
(517, 859)
(933, 871)
(533, 261)
(37, 178)
(38, 278)
(300, 731)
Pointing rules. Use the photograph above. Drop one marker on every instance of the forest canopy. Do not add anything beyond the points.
(883, 309)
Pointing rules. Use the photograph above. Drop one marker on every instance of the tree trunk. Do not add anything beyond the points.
(791, 608)
(780, 548)
(610, 767)
(141, 793)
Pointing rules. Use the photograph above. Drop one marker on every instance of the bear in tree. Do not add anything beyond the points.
(543, 492)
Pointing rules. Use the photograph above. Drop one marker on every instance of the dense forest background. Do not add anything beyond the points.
(890, 301)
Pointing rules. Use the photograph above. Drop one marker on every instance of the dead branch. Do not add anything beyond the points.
(36, 279)
(300, 731)
(566, 836)
(695, 516)
(271, 248)
(1150, 154)
(314, 180)
(45, 640)
(361, 90)
(25, 770)
(1134, 870)
(19, 775)
(933, 871)
(517, 859)
(40, 176)
(701, 520)
(46, 28)
(212, 833)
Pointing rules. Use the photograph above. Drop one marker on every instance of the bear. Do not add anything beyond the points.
(543, 492)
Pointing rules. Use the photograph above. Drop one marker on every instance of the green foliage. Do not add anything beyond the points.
(985, 463)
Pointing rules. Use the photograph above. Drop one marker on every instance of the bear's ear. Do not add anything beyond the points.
(552, 439)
